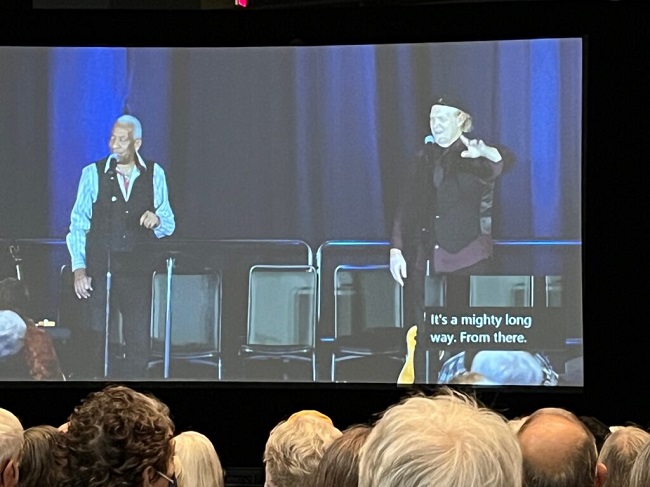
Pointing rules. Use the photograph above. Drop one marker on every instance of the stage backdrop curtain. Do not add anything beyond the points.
(299, 142)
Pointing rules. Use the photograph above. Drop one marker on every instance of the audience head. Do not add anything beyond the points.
(14, 295)
(11, 441)
(41, 458)
(619, 452)
(597, 428)
(196, 461)
(516, 423)
(12, 333)
(640, 474)
(474, 378)
(339, 466)
(512, 367)
(445, 440)
(559, 451)
(295, 447)
(119, 437)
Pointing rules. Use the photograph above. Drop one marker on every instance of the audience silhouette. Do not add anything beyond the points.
(118, 436)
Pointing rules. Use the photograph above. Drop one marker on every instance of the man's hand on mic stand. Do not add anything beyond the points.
(82, 284)
(149, 220)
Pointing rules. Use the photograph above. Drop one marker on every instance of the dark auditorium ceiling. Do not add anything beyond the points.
(230, 4)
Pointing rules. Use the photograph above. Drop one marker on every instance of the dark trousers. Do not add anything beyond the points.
(454, 295)
(131, 299)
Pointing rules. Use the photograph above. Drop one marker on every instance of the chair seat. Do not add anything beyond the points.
(184, 349)
(186, 355)
(275, 350)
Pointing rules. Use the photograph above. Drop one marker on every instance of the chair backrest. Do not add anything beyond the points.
(553, 289)
(501, 291)
(282, 305)
(366, 297)
(195, 311)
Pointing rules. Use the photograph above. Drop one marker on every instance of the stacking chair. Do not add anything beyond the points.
(368, 317)
(281, 321)
(195, 318)
(501, 291)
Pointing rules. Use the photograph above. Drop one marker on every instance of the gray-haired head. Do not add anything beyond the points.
(134, 122)
(619, 451)
(11, 437)
(446, 439)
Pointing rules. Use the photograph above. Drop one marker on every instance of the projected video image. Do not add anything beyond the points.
(394, 214)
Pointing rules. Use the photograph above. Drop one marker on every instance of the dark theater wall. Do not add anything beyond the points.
(237, 417)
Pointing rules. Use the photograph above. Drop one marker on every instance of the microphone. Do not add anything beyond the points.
(429, 148)
(113, 164)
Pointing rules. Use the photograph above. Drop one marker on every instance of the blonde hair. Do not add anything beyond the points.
(296, 446)
(196, 461)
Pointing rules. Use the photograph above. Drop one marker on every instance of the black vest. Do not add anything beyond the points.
(115, 223)
(459, 197)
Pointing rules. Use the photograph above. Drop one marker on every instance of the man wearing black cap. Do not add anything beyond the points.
(444, 218)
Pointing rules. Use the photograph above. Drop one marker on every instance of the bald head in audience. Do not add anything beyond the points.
(618, 453)
(447, 440)
(559, 451)
(11, 442)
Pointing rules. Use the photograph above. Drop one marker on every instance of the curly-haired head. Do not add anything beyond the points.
(117, 437)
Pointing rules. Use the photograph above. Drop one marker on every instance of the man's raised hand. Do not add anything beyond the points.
(478, 148)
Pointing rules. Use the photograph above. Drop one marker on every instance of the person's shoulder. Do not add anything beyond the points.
(93, 166)
(97, 162)
(156, 169)
(150, 164)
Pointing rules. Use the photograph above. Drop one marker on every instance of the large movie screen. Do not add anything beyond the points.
(393, 214)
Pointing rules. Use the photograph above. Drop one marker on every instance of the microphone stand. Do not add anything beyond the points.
(14, 250)
(109, 244)
(171, 261)
(108, 312)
